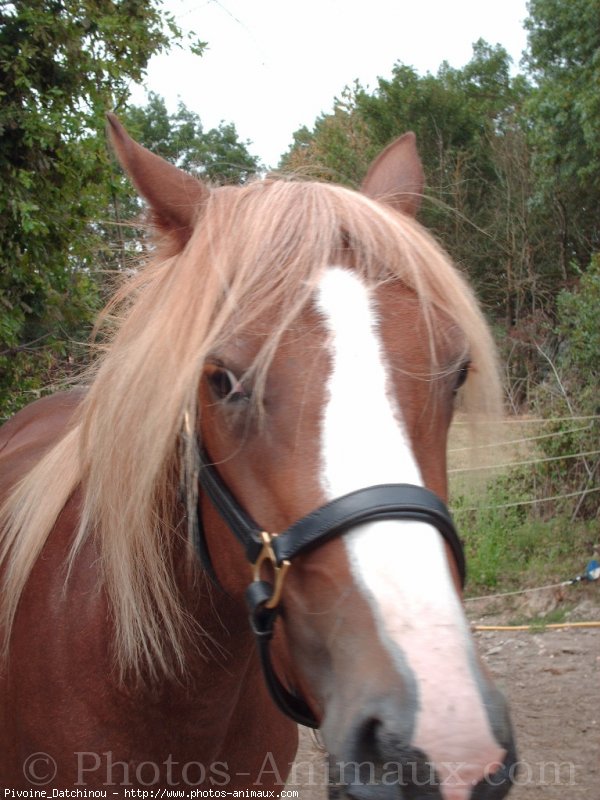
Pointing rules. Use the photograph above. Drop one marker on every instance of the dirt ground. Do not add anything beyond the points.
(552, 681)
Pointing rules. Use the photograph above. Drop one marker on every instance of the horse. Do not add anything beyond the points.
(282, 370)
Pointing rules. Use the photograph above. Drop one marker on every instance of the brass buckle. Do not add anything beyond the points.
(279, 572)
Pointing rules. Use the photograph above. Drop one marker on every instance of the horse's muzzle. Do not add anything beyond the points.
(377, 762)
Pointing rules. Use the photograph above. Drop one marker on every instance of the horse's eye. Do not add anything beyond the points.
(226, 386)
(461, 376)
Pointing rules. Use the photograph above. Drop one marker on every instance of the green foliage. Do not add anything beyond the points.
(487, 529)
(564, 59)
(572, 389)
(63, 63)
(565, 477)
(578, 324)
(216, 155)
(507, 548)
(453, 109)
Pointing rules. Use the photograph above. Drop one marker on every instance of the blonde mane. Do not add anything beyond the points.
(254, 248)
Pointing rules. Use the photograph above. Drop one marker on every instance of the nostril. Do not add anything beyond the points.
(385, 742)
(381, 766)
(384, 731)
(368, 736)
(380, 740)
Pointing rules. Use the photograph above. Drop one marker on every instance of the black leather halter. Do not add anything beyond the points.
(386, 501)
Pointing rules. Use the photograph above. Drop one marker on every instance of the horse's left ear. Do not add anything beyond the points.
(396, 176)
(174, 195)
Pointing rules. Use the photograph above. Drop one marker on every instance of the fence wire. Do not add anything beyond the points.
(532, 502)
(524, 463)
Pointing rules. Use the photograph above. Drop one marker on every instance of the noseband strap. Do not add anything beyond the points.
(386, 501)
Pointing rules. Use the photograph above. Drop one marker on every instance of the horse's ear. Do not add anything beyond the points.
(174, 195)
(396, 176)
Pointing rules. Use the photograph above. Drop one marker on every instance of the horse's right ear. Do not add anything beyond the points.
(174, 196)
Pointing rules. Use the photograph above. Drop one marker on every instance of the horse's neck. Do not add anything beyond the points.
(32, 432)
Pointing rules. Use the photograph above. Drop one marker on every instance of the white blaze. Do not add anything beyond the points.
(400, 566)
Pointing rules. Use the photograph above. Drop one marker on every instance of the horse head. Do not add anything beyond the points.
(336, 338)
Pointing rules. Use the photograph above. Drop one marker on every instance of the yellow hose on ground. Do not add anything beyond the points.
(535, 626)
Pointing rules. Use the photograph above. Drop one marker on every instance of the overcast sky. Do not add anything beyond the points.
(274, 65)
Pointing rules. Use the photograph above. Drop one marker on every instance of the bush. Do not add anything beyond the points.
(508, 548)
(570, 396)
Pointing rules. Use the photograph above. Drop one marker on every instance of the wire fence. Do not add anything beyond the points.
(535, 420)
(529, 462)
(517, 503)
(525, 440)
(590, 486)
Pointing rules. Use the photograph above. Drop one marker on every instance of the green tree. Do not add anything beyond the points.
(559, 191)
(564, 61)
(63, 63)
(217, 154)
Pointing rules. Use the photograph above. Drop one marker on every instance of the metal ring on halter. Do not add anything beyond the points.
(279, 571)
